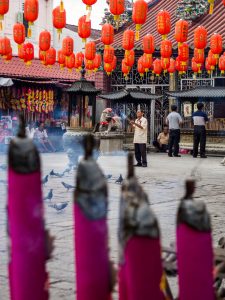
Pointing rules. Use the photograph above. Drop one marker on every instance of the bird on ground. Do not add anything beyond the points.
(59, 206)
(67, 186)
(52, 173)
(44, 180)
(67, 170)
(3, 167)
(49, 196)
(119, 180)
(108, 176)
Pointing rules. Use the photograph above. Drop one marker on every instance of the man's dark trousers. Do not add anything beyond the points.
(199, 137)
(140, 153)
(174, 141)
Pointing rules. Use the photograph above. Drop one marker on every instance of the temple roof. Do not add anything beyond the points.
(208, 92)
(134, 94)
(82, 87)
(213, 23)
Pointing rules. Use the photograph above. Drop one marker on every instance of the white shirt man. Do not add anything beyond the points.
(140, 139)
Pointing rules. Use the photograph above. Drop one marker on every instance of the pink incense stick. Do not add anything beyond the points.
(93, 278)
(27, 273)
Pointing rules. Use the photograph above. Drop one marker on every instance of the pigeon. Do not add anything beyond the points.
(67, 186)
(119, 180)
(108, 176)
(3, 167)
(44, 180)
(52, 173)
(59, 206)
(49, 196)
(67, 170)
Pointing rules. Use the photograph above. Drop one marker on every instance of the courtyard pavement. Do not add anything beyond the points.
(163, 181)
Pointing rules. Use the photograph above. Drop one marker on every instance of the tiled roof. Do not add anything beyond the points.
(213, 23)
(83, 87)
(17, 69)
(200, 92)
(134, 94)
(95, 33)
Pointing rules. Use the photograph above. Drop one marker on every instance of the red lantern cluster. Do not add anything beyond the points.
(4, 8)
(139, 15)
(31, 10)
(84, 28)
(59, 19)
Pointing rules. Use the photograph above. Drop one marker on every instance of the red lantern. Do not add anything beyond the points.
(139, 15)
(44, 40)
(79, 60)
(50, 57)
(207, 66)
(59, 19)
(19, 33)
(4, 8)
(180, 66)
(21, 52)
(181, 31)
(140, 66)
(117, 7)
(129, 59)
(183, 52)
(107, 35)
(163, 23)
(114, 63)
(5, 46)
(125, 69)
(108, 55)
(165, 63)
(89, 4)
(89, 65)
(42, 56)
(108, 68)
(9, 56)
(28, 53)
(222, 64)
(199, 57)
(194, 67)
(31, 9)
(84, 28)
(224, 2)
(147, 61)
(200, 37)
(97, 61)
(61, 58)
(172, 68)
(216, 44)
(90, 51)
(128, 40)
(212, 60)
(148, 44)
(166, 48)
(157, 67)
(70, 62)
(67, 46)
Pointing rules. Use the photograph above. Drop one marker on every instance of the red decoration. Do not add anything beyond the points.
(114, 63)
(79, 60)
(125, 69)
(172, 68)
(199, 57)
(59, 19)
(128, 40)
(31, 9)
(89, 4)
(4, 8)
(180, 66)
(147, 61)
(5, 46)
(181, 31)
(108, 55)
(183, 52)
(67, 46)
(163, 23)
(212, 60)
(200, 37)
(216, 44)
(28, 53)
(140, 66)
(207, 66)
(117, 7)
(61, 58)
(89, 65)
(224, 2)
(107, 35)
(194, 66)
(9, 56)
(97, 61)
(129, 59)
(44, 40)
(20, 52)
(50, 57)
(139, 15)
(166, 48)
(157, 68)
(222, 64)
(19, 33)
(70, 62)
(90, 51)
(148, 44)
(108, 68)
(165, 63)
(84, 28)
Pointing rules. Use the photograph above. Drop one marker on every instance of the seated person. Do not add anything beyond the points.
(30, 130)
(162, 141)
(43, 142)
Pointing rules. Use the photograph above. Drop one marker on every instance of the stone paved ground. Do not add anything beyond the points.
(163, 180)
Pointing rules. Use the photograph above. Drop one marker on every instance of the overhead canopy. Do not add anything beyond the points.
(82, 87)
(207, 93)
(6, 81)
(133, 94)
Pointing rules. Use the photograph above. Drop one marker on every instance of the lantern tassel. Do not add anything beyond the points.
(59, 31)
(84, 41)
(1, 27)
(137, 33)
(164, 36)
(29, 32)
(88, 17)
(211, 8)
(61, 6)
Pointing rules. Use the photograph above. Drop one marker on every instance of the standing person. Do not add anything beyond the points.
(41, 137)
(140, 139)
(162, 140)
(199, 118)
(174, 121)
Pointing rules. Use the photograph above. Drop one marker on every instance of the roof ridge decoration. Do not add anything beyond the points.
(190, 10)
